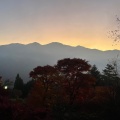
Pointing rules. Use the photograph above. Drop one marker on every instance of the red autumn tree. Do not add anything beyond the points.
(76, 80)
(45, 86)
(67, 81)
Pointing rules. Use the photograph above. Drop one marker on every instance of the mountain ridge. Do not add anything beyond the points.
(56, 43)
(22, 58)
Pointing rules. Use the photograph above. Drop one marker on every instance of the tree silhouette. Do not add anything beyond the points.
(111, 79)
(27, 88)
(18, 84)
(115, 34)
(109, 74)
(69, 81)
(44, 88)
(76, 79)
(96, 73)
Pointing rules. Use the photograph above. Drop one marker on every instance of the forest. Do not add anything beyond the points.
(72, 89)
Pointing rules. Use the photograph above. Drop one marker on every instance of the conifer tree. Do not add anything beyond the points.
(96, 73)
(18, 84)
(110, 75)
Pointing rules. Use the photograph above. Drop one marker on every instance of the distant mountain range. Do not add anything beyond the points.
(20, 58)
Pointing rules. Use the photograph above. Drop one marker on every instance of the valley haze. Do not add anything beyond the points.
(19, 58)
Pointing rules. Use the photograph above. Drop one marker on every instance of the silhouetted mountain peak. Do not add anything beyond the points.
(34, 44)
(14, 44)
(19, 58)
(55, 44)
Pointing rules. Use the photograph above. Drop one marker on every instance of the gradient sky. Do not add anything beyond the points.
(72, 22)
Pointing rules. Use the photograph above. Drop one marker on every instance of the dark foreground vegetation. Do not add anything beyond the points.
(70, 90)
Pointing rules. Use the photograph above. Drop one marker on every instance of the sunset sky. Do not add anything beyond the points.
(72, 22)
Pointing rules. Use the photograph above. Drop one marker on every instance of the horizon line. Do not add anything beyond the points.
(56, 43)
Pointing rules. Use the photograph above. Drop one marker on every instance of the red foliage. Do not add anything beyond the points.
(75, 75)
(43, 92)
(67, 80)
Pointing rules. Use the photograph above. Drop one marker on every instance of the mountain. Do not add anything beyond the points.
(19, 58)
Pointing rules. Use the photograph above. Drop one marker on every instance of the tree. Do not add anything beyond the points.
(76, 79)
(96, 73)
(44, 89)
(27, 88)
(109, 75)
(18, 87)
(68, 81)
(115, 33)
(111, 79)
(18, 84)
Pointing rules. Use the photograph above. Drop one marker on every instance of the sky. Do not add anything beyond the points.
(71, 22)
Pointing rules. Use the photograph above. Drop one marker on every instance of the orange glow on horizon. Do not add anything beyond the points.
(80, 23)
(98, 44)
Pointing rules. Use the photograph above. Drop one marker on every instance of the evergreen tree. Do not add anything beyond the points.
(111, 78)
(96, 74)
(110, 75)
(27, 88)
(18, 84)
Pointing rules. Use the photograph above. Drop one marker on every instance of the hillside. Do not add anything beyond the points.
(20, 58)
